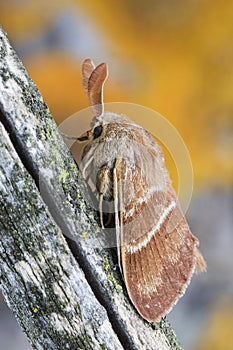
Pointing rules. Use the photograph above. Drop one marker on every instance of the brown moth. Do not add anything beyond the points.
(157, 252)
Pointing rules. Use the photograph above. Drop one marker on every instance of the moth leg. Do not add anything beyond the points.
(118, 206)
(117, 226)
(86, 166)
(108, 222)
(101, 209)
(104, 187)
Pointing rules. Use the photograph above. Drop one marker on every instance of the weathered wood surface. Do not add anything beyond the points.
(40, 278)
(57, 305)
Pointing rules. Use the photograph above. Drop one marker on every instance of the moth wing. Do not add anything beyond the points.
(157, 264)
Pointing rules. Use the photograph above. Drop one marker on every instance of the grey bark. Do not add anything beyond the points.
(63, 296)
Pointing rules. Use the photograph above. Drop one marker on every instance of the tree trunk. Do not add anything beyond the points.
(65, 292)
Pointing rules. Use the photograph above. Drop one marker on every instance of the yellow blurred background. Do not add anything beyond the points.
(172, 56)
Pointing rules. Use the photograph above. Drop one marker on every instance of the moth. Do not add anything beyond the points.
(157, 252)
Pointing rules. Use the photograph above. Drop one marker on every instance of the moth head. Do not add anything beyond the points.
(93, 79)
(93, 133)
